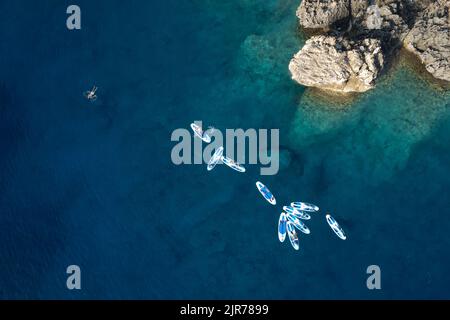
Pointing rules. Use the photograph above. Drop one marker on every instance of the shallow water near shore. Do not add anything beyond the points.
(93, 184)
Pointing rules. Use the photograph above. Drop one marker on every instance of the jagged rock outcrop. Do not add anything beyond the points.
(359, 9)
(429, 39)
(374, 20)
(322, 13)
(349, 59)
(420, 5)
(393, 26)
(338, 64)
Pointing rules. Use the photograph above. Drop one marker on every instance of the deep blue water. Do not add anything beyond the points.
(92, 184)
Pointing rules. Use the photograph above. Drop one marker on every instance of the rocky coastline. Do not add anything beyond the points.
(358, 39)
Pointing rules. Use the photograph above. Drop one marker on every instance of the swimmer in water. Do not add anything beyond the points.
(91, 94)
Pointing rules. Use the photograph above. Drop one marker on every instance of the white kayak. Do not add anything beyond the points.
(266, 193)
(199, 133)
(303, 206)
(297, 213)
(335, 227)
(298, 224)
(292, 235)
(282, 227)
(215, 158)
(233, 164)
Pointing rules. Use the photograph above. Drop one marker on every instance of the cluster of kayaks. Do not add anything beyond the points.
(292, 216)
(218, 154)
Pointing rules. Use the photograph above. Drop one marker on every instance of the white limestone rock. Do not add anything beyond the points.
(429, 39)
(338, 64)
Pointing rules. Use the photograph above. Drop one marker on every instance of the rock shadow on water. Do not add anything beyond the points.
(408, 60)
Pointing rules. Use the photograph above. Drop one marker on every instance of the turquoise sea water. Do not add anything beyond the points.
(93, 184)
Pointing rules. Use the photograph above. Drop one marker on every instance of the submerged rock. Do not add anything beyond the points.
(429, 39)
(338, 64)
(351, 60)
